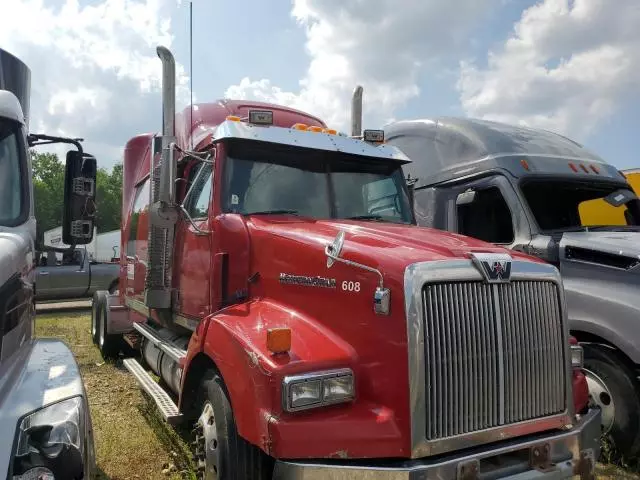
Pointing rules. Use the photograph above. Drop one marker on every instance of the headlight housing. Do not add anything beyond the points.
(50, 443)
(317, 389)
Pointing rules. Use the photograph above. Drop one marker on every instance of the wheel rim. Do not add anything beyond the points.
(94, 313)
(600, 394)
(207, 451)
(101, 340)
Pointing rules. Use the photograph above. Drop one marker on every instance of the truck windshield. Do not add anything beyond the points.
(315, 184)
(10, 182)
(569, 205)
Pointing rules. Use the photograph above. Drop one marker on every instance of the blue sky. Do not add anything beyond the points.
(570, 66)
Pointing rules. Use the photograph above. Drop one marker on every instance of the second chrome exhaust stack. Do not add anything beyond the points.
(356, 112)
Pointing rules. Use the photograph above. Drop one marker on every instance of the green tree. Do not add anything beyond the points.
(48, 185)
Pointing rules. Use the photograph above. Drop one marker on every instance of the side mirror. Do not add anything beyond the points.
(465, 198)
(78, 217)
(333, 250)
(411, 189)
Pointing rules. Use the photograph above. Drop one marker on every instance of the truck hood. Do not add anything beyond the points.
(617, 246)
(403, 244)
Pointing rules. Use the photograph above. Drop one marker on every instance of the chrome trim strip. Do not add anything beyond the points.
(416, 275)
(566, 448)
(186, 322)
(498, 312)
(142, 309)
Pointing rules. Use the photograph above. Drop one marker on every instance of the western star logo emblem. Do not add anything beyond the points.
(495, 267)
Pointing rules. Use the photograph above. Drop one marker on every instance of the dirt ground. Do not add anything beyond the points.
(132, 441)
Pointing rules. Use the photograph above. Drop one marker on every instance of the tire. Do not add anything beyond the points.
(613, 387)
(109, 345)
(113, 288)
(228, 456)
(96, 312)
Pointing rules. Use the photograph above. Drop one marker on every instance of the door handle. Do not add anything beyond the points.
(43, 273)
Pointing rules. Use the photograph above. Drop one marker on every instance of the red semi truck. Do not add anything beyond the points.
(273, 277)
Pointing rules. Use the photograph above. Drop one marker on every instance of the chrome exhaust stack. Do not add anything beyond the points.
(356, 112)
(163, 212)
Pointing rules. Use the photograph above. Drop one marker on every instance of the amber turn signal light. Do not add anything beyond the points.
(279, 340)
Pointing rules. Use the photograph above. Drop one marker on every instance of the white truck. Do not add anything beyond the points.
(44, 413)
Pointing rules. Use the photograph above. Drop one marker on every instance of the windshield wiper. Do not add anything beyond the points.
(378, 218)
(274, 212)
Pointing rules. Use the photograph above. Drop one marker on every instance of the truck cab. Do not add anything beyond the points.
(44, 412)
(273, 277)
(543, 194)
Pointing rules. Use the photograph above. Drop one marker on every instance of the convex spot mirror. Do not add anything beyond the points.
(465, 198)
(78, 217)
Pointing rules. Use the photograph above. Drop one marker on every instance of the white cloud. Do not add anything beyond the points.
(94, 70)
(567, 67)
(380, 44)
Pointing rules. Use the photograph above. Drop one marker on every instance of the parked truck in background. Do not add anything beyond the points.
(542, 194)
(75, 275)
(44, 412)
(305, 335)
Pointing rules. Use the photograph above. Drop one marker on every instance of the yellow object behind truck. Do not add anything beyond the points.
(633, 177)
(598, 212)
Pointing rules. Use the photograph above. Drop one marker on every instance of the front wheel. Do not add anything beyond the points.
(613, 387)
(220, 453)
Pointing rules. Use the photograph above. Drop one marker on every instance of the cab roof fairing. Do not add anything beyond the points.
(298, 138)
(447, 148)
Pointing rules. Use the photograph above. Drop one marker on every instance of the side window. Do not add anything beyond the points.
(487, 218)
(141, 202)
(197, 204)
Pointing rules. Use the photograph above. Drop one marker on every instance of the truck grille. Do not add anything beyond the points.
(494, 355)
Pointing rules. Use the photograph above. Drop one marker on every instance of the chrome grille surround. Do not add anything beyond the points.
(419, 275)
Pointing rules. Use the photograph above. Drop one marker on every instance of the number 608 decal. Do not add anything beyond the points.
(349, 286)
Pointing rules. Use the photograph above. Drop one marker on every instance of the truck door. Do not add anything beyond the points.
(489, 209)
(193, 247)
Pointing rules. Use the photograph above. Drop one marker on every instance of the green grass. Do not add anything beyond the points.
(132, 441)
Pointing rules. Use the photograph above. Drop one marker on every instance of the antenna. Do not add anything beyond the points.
(191, 73)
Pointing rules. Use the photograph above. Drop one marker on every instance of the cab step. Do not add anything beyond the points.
(168, 409)
(176, 353)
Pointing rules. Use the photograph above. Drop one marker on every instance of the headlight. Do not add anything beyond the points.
(50, 443)
(577, 356)
(318, 389)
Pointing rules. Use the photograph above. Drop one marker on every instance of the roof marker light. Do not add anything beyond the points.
(595, 169)
(330, 131)
(374, 136)
(586, 170)
(261, 117)
(525, 164)
(233, 118)
(314, 128)
(573, 167)
(300, 126)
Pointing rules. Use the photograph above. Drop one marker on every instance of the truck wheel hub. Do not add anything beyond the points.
(206, 444)
(600, 395)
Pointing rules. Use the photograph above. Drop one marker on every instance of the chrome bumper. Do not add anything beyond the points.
(571, 453)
